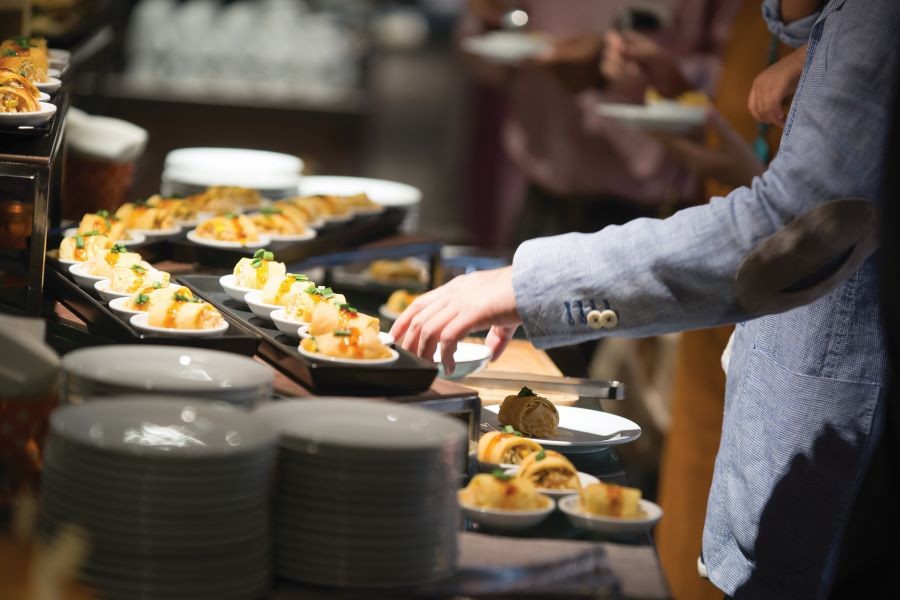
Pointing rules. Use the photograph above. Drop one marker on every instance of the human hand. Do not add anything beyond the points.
(632, 61)
(447, 314)
(773, 86)
(732, 162)
(572, 61)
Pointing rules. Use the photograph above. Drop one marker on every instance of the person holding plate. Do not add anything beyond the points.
(790, 259)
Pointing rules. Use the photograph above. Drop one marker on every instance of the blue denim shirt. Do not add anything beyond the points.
(802, 407)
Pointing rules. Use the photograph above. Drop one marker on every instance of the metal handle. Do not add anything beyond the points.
(584, 388)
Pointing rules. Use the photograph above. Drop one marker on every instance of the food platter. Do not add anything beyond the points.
(580, 429)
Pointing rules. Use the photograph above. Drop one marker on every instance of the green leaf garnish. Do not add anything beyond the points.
(525, 392)
(299, 277)
(270, 210)
(499, 474)
(118, 249)
(230, 215)
(325, 292)
(342, 333)
(179, 297)
(511, 429)
(157, 285)
(79, 241)
(141, 299)
(9, 53)
(138, 269)
(348, 308)
(23, 42)
(102, 213)
(541, 455)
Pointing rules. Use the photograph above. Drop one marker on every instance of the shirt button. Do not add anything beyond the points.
(602, 319)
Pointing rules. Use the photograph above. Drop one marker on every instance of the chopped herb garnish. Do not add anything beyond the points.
(79, 241)
(263, 254)
(499, 474)
(525, 392)
(541, 455)
(230, 215)
(325, 292)
(138, 269)
(23, 42)
(348, 308)
(141, 299)
(118, 249)
(270, 210)
(342, 333)
(91, 233)
(102, 213)
(179, 297)
(157, 285)
(9, 53)
(511, 429)
(299, 277)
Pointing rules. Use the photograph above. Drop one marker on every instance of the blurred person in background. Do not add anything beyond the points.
(791, 512)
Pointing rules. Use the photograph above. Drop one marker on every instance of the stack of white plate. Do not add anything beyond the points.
(366, 493)
(191, 170)
(173, 494)
(101, 371)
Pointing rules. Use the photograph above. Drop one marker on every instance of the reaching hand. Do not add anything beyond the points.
(773, 86)
(733, 162)
(447, 314)
(632, 61)
(572, 61)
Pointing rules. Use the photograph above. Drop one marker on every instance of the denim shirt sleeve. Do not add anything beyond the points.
(793, 34)
(679, 273)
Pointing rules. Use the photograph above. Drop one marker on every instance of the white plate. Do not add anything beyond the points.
(583, 478)
(53, 73)
(580, 429)
(338, 218)
(309, 234)
(385, 193)
(470, 358)
(37, 117)
(571, 507)
(42, 97)
(51, 85)
(660, 117)
(387, 314)
(508, 519)
(262, 241)
(154, 233)
(383, 337)
(256, 169)
(58, 54)
(134, 238)
(140, 321)
(260, 309)
(236, 292)
(505, 47)
(82, 278)
(102, 288)
(364, 362)
(167, 368)
(120, 305)
(287, 326)
(68, 262)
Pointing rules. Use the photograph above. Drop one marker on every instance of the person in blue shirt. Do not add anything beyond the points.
(790, 259)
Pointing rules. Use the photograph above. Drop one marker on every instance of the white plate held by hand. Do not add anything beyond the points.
(580, 429)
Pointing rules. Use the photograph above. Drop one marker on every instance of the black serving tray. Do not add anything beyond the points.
(104, 321)
(409, 375)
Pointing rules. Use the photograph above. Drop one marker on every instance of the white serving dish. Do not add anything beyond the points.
(385, 338)
(309, 234)
(295, 329)
(260, 309)
(571, 507)
(82, 277)
(580, 429)
(583, 478)
(134, 238)
(262, 241)
(141, 322)
(508, 519)
(664, 117)
(385, 193)
(120, 305)
(43, 97)
(51, 85)
(102, 288)
(374, 362)
(505, 47)
(234, 291)
(155, 233)
(255, 169)
(38, 117)
(470, 358)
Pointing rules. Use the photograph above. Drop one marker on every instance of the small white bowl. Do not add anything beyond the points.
(263, 240)
(133, 237)
(571, 507)
(141, 322)
(234, 291)
(583, 478)
(260, 309)
(59, 55)
(383, 337)
(387, 314)
(469, 359)
(120, 305)
(102, 288)
(508, 519)
(309, 234)
(82, 278)
(68, 262)
(43, 97)
(53, 72)
(156, 233)
(51, 85)
(287, 325)
(365, 362)
(375, 210)
(44, 113)
(338, 218)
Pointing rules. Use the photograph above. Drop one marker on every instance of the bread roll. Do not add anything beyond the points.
(175, 311)
(505, 448)
(551, 470)
(531, 414)
(256, 272)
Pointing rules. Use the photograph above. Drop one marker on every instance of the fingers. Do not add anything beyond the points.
(498, 339)
(431, 331)
(423, 320)
(401, 325)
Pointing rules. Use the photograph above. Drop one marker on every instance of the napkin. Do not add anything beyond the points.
(106, 138)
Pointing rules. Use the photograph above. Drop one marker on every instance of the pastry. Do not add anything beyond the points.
(398, 301)
(17, 100)
(82, 246)
(529, 413)
(361, 202)
(279, 289)
(549, 469)
(255, 272)
(229, 228)
(300, 306)
(295, 214)
(222, 199)
(178, 209)
(503, 492)
(327, 317)
(273, 220)
(104, 223)
(128, 280)
(26, 66)
(145, 297)
(360, 344)
(102, 264)
(503, 448)
(10, 78)
(178, 311)
(611, 500)
(143, 216)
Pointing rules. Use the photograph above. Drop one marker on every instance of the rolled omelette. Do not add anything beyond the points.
(505, 448)
(25, 66)
(176, 314)
(611, 500)
(17, 100)
(10, 78)
(549, 469)
(531, 414)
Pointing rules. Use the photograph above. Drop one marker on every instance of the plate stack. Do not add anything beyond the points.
(191, 170)
(366, 492)
(101, 371)
(173, 494)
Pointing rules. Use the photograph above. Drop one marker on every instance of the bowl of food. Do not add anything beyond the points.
(501, 501)
(552, 474)
(611, 509)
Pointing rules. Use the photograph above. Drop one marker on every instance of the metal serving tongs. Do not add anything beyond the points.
(583, 388)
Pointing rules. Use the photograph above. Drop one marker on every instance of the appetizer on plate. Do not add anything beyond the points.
(611, 500)
(353, 343)
(280, 290)
(300, 218)
(398, 271)
(501, 491)
(362, 203)
(336, 206)
(695, 98)
(272, 220)
(141, 215)
(104, 223)
(12, 79)
(128, 280)
(529, 413)
(398, 301)
(82, 246)
(174, 310)
(313, 207)
(300, 306)
(222, 199)
(550, 470)
(254, 273)
(178, 209)
(23, 65)
(150, 295)
(230, 227)
(327, 317)
(101, 264)
(506, 448)
(33, 47)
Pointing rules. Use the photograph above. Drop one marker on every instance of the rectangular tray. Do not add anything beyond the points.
(107, 323)
(409, 375)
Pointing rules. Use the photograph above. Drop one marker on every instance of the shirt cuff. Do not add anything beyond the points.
(793, 34)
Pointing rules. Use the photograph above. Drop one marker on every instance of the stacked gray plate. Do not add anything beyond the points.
(366, 492)
(173, 493)
(101, 371)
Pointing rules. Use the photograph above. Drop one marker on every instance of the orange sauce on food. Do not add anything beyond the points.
(262, 274)
(112, 258)
(138, 281)
(284, 288)
(172, 314)
(349, 344)
(496, 440)
(80, 254)
(239, 231)
(344, 317)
